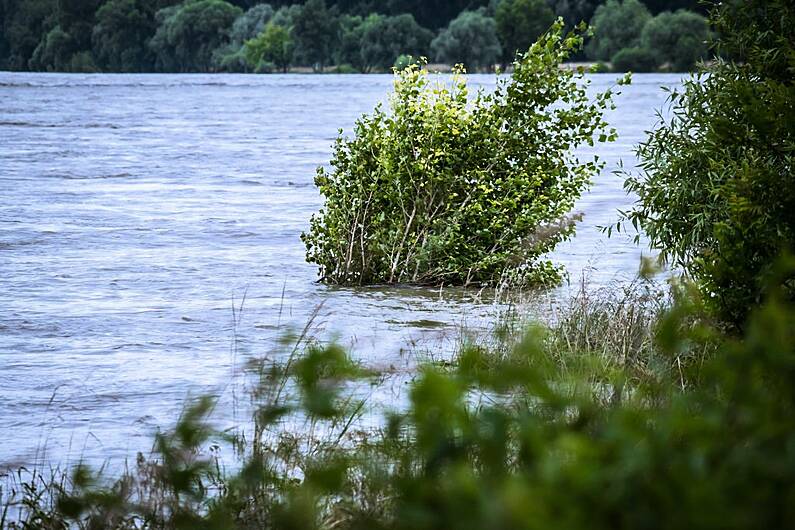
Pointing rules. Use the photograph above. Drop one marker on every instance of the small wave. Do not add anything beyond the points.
(299, 81)
(4, 84)
(12, 123)
(95, 177)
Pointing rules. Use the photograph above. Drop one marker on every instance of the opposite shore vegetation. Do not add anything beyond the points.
(343, 36)
(633, 409)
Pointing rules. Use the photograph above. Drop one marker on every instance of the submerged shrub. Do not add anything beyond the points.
(448, 189)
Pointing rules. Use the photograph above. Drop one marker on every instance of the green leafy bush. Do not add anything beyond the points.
(634, 59)
(274, 45)
(447, 189)
(717, 189)
(677, 39)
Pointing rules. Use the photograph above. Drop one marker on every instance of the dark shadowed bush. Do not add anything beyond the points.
(634, 59)
(521, 22)
(448, 189)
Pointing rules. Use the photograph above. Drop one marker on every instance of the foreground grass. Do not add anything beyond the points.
(629, 410)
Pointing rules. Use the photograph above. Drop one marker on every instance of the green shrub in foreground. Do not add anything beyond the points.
(447, 189)
(521, 441)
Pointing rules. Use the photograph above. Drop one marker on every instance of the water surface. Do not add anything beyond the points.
(137, 209)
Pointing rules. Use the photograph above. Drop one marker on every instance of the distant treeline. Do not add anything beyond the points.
(347, 35)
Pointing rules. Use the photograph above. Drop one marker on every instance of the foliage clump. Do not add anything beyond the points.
(189, 33)
(520, 22)
(272, 46)
(678, 40)
(635, 59)
(471, 39)
(717, 188)
(617, 24)
(448, 189)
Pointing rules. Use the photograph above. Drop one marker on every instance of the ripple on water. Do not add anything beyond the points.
(140, 209)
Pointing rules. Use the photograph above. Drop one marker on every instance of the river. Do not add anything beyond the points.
(137, 209)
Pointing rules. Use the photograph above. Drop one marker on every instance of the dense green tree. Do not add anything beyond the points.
(678, 39)
(384, 38)
(470, 39)
(717, 189)
(65, 44)
(519, 23)
(658, 6)
(574, 11)
(251, 23)
(153, 6)
(76, 17)
(54, 52)
(349, 40)
(231, 57)
(273, 45)
(315, 30)
(188, 34)
(24, 24)
(433, 14)
(285, 16)
(616, 24)
(119, 37)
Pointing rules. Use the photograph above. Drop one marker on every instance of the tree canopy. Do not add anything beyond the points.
(363, 35)
(188, 34)
(470, 39)
(120, 34)
(315, 30)
(616, 24)
(679, 39)
(272, 46)
(520, 22)
(716, 191)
